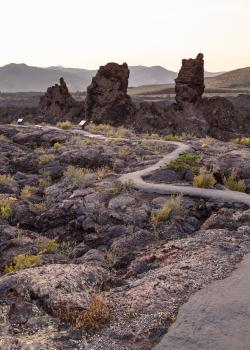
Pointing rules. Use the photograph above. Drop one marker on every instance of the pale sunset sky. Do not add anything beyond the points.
(89, 33)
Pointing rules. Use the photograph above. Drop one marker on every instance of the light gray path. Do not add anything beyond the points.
(215, 318)
(140, 184)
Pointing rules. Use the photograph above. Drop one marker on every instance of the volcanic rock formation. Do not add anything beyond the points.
(190, 81)
(107, 100)
(58, 104)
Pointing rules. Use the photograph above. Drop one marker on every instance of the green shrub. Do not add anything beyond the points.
(243, 141)
(45, 159)
(187, 160)
(28, 191)
(21, 262)
(172, 204)
(204, 180)
(233, 184)
(65, 125)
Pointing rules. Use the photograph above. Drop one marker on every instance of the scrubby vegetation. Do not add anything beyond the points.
(171, 137)
(5, 207)
(21, 262)
(77, 140)
(45, 159)
(3, 138)
(172, 204)
(57, 146)
(80, 177)
(243, 141)
(65, 125)
(204, 180)
(6, 179)
(233, 184)
(96, 316)
(116, 187)
(187, 160)
(27, 192)
(109, 131)
(48, 246)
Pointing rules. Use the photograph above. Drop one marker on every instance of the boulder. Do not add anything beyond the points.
(58, 104)
(190, 81)
(107, 100)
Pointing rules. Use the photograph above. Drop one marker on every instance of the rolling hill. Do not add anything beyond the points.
(233, 79)
(21, 77)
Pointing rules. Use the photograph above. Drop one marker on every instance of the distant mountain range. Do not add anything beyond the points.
(21, 77)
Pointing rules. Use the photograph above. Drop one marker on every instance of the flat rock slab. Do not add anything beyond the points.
(215, 318)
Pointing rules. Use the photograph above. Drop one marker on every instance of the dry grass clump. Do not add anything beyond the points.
(171, 137)
(27, 192)
(243, 141)
(78, 141)
(39, 207)
(21, 262)
(92, 319)
(172, 204)
(44, 180)
(45, 159)
(65, 125)
(3, 138)
(83, 177)
(204, 180)
(57, 146)
(122, 133)
(5, 207)
(98, 128)
(233, 184)
(109, 131)
(102, 171)
(6, 179)
(116, 187)
(154, 147)
(124, 152)
(187, 160)
(68, 249)
(40, 150)
(47, 246)
(206, 142)
(80, 177)
(51, 247)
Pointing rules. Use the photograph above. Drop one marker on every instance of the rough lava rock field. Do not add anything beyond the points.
(91, 256)
(93, 234)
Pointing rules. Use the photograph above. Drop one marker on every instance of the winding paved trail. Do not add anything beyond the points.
(216, 317)
(140, 184)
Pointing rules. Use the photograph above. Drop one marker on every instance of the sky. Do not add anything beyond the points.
(90, 33)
